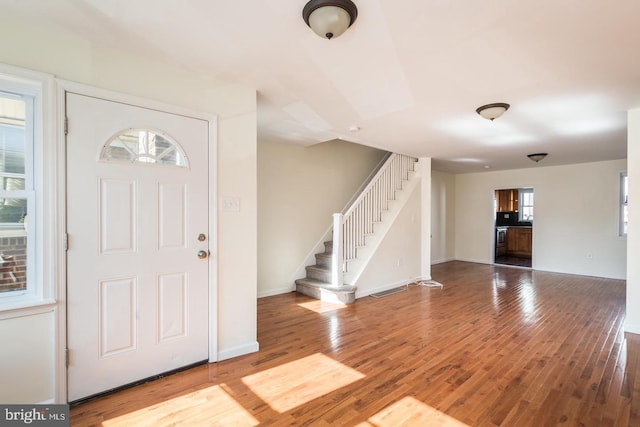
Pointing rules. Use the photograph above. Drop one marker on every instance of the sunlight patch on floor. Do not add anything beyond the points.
(197, 408)
(411, 412)
(320, 306)
(295, 383)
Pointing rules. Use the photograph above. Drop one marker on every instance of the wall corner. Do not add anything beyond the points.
(633, 235)
(425, 238)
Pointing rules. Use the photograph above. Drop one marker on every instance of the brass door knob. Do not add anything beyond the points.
(203, 254)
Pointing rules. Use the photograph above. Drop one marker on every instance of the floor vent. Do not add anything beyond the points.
(388, 292)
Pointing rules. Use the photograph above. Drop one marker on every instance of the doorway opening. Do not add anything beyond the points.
(513, 226)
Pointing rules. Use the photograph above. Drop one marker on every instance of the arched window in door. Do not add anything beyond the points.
(144, 146)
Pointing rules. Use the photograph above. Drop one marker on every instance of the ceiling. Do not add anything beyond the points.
(407, 76)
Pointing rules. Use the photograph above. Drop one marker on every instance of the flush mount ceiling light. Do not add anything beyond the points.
(536, 157)
(329, 18)
(492, 111)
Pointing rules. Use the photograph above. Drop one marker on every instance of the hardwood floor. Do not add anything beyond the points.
(510, 260)
(498, 346)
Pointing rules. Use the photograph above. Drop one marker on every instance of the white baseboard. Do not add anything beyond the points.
(442, 261)
(475, 261)
(240, 350)
(631, 328)
(273, 292)
(367, 292)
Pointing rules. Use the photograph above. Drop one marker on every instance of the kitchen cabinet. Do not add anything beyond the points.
(519, 241)
(507, 200)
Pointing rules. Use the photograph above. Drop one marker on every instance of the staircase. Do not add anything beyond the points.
(358, 231)
(318, 284)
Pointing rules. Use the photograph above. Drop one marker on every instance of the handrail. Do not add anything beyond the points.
(367, 181)
(351, 227)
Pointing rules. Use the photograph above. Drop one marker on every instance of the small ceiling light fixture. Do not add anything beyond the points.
(492, 111)
(329, 18)
(536, 157)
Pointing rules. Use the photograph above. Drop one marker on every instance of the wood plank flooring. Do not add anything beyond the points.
(498, 346)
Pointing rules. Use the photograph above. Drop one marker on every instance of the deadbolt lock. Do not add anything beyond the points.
(202, 237)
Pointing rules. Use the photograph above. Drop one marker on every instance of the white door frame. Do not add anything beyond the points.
(60, 345)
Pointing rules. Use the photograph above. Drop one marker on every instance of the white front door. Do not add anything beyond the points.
(137, 224)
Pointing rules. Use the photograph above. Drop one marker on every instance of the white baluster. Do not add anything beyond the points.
(359, 219)
(337, 263)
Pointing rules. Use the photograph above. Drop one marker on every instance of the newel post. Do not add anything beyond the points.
(337, 259)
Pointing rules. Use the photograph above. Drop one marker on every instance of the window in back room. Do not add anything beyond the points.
(526, 204)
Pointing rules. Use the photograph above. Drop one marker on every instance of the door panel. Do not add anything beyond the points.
(117, 307)
(137, 291)
(172, 294)
(117, 216)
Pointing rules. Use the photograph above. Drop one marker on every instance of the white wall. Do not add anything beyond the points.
(397, 260)
(75, 59)
(299, 188)
(26, 358)
(632, 322)
(576, 217)
(443, 192)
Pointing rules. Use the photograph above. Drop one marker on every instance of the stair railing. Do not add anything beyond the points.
(351, 227)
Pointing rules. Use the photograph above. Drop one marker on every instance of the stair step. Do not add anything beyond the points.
(319, 272)
(324, 260)
(328, 247)
(325, 291)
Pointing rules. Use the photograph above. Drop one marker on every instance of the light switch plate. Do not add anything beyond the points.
(230, 204)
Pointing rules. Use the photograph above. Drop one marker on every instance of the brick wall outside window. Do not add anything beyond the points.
(13, 263)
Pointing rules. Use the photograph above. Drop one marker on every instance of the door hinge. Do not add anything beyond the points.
(65, 241)
(66, 357)
(66, 126)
